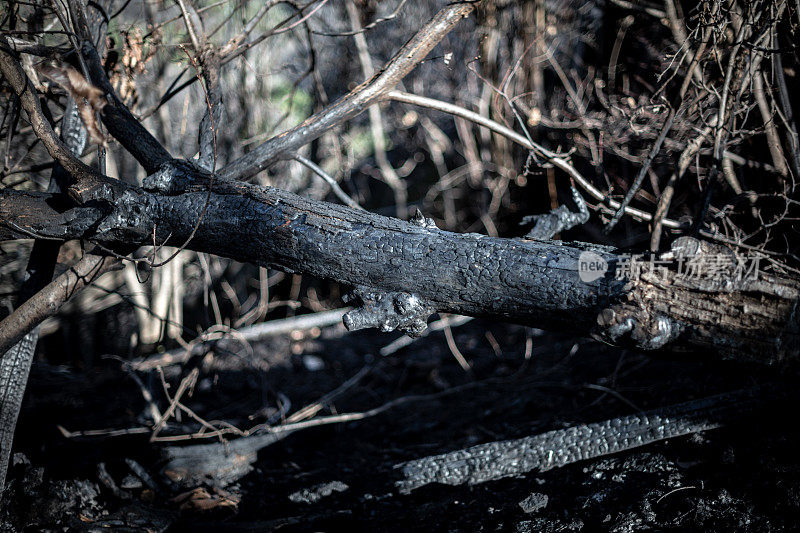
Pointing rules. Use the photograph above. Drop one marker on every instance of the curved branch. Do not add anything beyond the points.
(49, 300)
(121, 123)
(116, 116)
(86, 178)
(356, 101)
(552, 157)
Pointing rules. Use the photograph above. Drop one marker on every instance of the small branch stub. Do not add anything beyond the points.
(174, 177)
(388, 311)
(418, 219)
(645, 332)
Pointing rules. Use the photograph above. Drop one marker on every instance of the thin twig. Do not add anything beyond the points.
(557, 159)
(674, 113)
(451, 343)
(312, 409)
(329, 180)
(250, 333)
(387, 172)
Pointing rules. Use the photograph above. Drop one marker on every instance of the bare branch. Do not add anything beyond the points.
(376, 122)
(87, 181)
(674, 113)
(116, 116)
(49, 300)
(194, 25)
(329, 180)
(239, 38)
(355, 102)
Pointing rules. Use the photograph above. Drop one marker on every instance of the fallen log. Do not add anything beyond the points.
(405, 271)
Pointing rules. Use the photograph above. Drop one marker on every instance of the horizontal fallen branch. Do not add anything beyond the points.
(252, 333)
(405, 271)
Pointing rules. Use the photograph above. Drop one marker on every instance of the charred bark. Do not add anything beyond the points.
(404, 271)
(560, 447)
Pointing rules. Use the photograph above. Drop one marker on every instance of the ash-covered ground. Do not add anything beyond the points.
(743, 477)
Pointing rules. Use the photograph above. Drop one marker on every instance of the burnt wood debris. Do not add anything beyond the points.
(497, 460)
(402, 272)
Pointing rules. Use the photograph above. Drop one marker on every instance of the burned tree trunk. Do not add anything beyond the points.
(405, 271)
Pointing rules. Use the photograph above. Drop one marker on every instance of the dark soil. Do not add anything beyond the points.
(744, 477)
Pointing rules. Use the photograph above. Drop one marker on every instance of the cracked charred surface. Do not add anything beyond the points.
(461, 273)
(560, 447)
(388, 311)
(518, 280)
(524, 281)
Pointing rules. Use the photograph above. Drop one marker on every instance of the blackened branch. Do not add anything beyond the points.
(530, 282)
